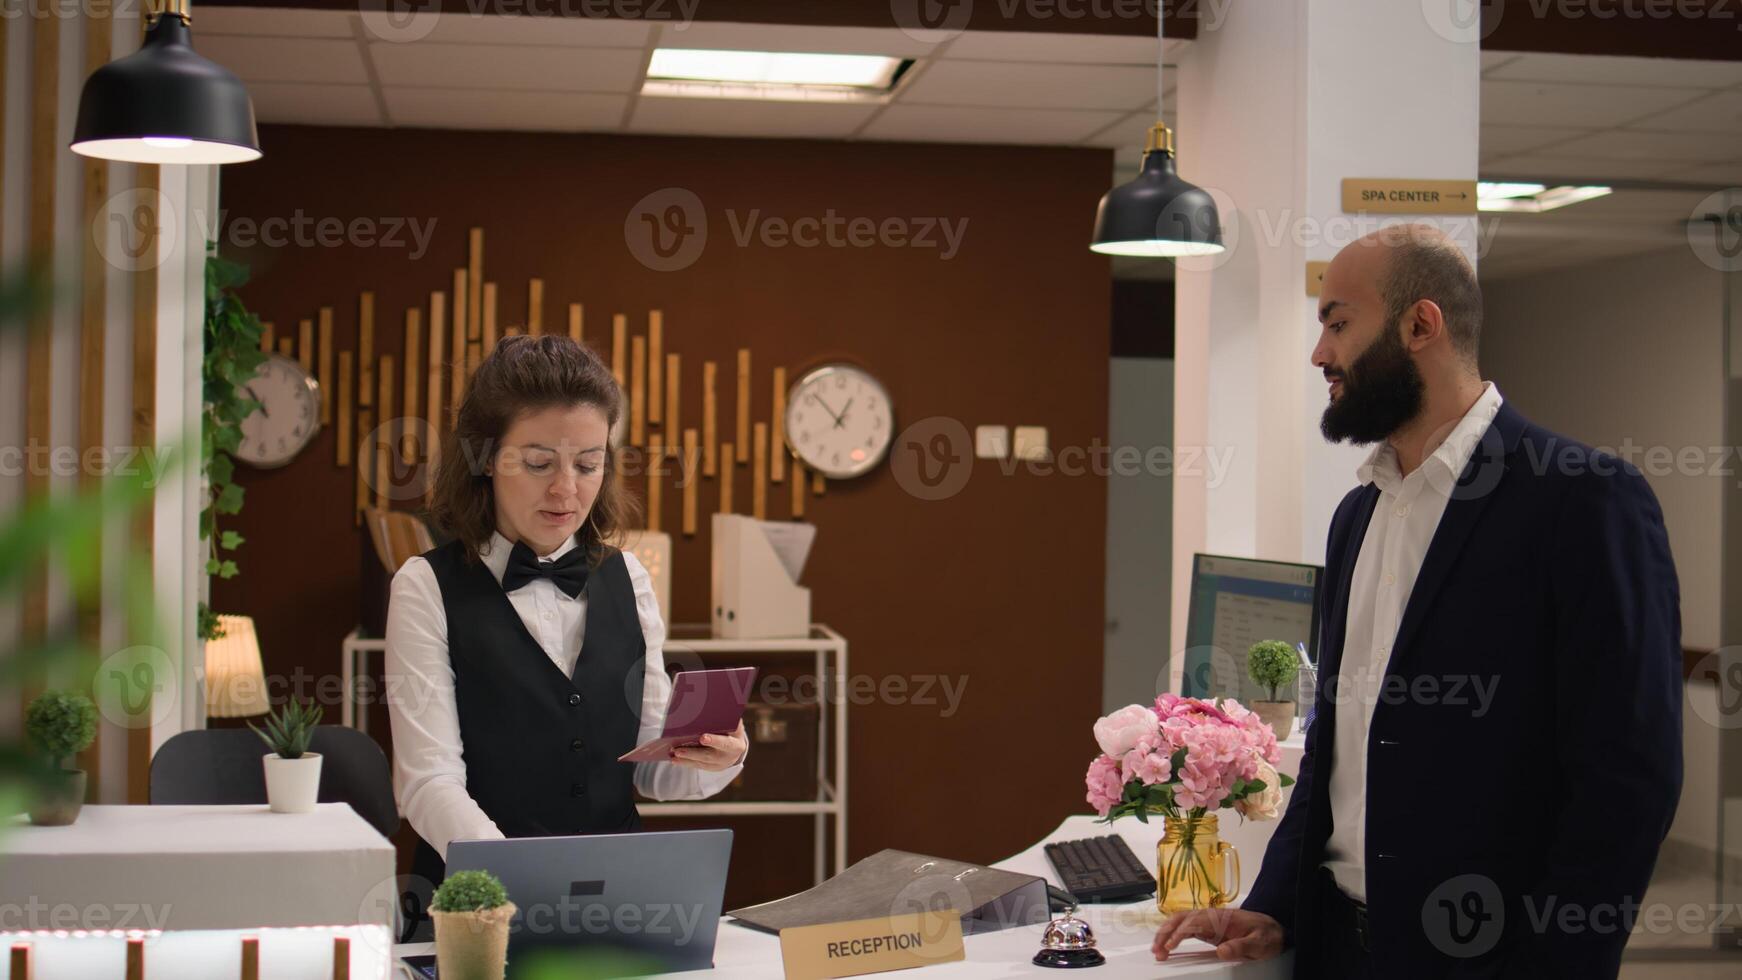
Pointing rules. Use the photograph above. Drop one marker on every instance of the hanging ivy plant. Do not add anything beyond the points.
(232, 346)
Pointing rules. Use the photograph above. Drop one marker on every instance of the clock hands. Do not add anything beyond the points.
(258, 400)
(840, 419)
(836, 415)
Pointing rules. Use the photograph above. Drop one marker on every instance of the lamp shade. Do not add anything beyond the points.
(1157, 213)
(235, 679)
(166, 104)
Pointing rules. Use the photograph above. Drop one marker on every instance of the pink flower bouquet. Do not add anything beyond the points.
(1184, 757)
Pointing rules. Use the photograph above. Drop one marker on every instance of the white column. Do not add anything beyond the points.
(1277, 104)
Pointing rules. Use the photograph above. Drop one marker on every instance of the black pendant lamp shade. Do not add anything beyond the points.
(165, 103)
(1157, 214)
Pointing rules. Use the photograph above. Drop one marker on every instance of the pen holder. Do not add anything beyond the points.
(1195, 868)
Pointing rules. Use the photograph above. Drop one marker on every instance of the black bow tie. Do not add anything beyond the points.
(568, 572)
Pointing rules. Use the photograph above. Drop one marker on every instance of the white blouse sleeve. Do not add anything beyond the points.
(429, 771)
(663, 780)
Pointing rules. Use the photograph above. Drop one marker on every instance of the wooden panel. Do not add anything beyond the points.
(325, 375)
(797, 489)
(726, 474)
(655, 457)
(535, 306)
(384, 439)
(638, 391)
(366, 349)
(365, 462)
(93, 328)
(692, 478)
(759, 473)
(343, 440)
(818, 484)
(408, 439)
(488, 341)
(305, 346)
(474, 280)
(619, 348)
(459, 350)
(39, 340)
(673, 387)
(147, 178)
(438, 305)
(777, 419)
(268, 337)
(575, 316)
(710, 425)
(656, 358)
(743, 404)
(287, 347)
(135, 969)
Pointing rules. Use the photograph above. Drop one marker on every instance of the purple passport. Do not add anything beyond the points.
(703, 702)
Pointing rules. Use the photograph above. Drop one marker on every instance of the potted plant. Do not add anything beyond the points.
(60, 725)
(471, 912)
(1274, 664)
(293, 773)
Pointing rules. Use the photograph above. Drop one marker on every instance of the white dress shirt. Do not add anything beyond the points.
(429, 773)
(1404, 520)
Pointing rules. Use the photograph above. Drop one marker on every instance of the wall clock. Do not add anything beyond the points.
(288, 417)
(839, 420)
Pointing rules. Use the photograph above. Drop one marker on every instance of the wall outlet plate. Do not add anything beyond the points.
(1031, 442)
(991, 441)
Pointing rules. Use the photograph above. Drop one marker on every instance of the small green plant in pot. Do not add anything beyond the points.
(1274, 665)
(293, 773)
(60, 725)
(471, 912)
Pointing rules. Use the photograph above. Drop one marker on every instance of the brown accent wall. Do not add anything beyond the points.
(999, 586)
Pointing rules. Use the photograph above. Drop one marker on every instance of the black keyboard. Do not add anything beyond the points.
(1100, 869)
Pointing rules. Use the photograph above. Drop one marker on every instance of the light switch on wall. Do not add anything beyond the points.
(1031, 442)
(991, 441)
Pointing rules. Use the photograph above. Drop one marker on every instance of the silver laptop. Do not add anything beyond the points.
(653, 896)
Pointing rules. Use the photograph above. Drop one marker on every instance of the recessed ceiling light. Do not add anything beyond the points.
(859, 71)
(1533, 198)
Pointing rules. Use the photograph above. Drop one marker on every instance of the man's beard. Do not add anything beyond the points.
(1381, 391)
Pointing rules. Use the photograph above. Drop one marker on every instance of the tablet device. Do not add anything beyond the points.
(703, 702)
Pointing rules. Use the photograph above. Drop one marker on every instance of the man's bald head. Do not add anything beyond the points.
(1419, 262)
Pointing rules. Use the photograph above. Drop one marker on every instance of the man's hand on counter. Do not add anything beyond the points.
(1236, 933)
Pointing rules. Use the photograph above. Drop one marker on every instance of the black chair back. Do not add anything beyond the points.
(222, 765)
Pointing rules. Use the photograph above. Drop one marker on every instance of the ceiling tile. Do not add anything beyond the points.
(1719, 113)
(1545, 168)
(1616, 70)
(780, 37)
(997, 83)
(1030, 47)
(1500, 141)
(315, 105)
(734, 117)
(958, 124)
(279, 59)
(1128, 133)
(1628, 144)
(274, 21)
(503, 66)
(467, 28)
(1593, 106)
(459, 108)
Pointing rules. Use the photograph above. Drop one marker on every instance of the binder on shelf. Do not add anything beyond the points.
(756, 566)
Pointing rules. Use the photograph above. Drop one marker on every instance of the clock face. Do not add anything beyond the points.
(839, 421)
(288, 416)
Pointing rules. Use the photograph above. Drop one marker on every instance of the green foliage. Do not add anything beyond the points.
(232, 345)
(469, 891)
(1273, 664)
(288, 730)
(61, 725)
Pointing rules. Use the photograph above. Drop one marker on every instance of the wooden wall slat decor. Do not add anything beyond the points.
(743, 406)
(413, 341)
(147, 178)
(655, 358)
(575, 314)
(727, 481)
(673, 389)
(325, 376)
(759, 472)
(366, 349)
(305, 346)
(710, 425)
(384, 437)
(619, 350)
(39, 340)
(437, 333)
(692, 478)
(474, 283)
(655, 457)
(268, 338)
(638, 391)
(488, 341)
(458, 354)
(343, 442)
(777, 420)
(535, 306)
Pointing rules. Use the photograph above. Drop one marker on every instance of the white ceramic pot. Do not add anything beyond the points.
(292, 784)
(1279, 715)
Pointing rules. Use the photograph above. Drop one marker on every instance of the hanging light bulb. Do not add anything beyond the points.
(165, 103)
(1157, 214)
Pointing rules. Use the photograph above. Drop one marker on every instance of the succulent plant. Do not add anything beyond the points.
(288, 730)
(469, 891)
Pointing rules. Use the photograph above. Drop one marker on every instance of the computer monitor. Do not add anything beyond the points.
(1236, 602)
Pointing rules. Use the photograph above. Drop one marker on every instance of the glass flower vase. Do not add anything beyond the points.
(1195, 868)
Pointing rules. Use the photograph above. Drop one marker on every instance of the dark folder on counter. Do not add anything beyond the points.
(892, 882)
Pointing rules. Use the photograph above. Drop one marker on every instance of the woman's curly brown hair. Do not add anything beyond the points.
(526, 374)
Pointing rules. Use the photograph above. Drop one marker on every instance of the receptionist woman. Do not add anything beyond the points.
(525, 656)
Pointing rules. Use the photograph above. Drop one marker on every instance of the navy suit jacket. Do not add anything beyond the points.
(1524, 758)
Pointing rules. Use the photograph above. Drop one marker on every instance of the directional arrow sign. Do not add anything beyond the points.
(1381, 195)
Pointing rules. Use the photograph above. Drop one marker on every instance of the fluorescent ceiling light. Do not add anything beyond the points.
(1540, 198)
(862, 71)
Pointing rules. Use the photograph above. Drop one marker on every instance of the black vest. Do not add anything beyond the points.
(541, 749)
